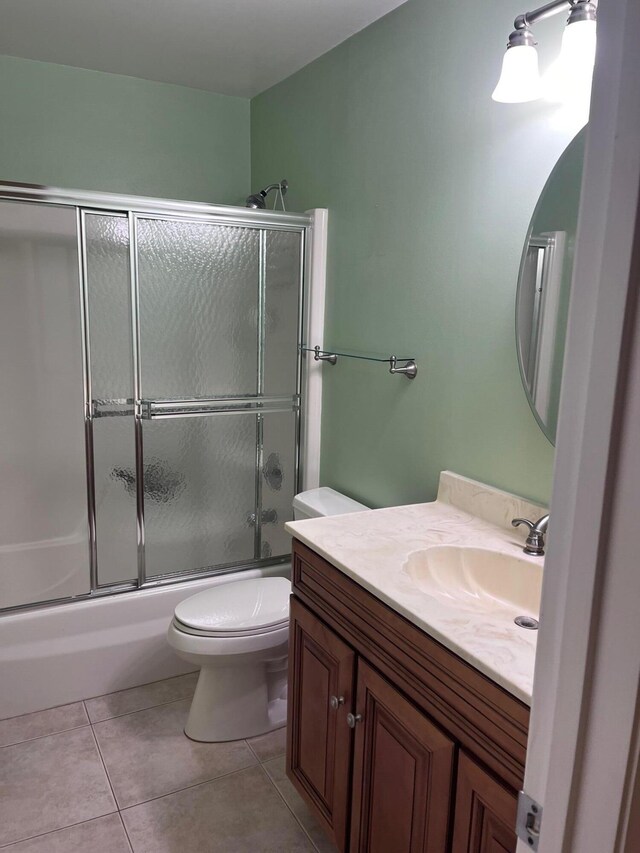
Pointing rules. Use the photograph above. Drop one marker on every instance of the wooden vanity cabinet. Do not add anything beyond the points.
(396, 744)
(399, 783)
(321, 675)
(402, 773)
(485, 812)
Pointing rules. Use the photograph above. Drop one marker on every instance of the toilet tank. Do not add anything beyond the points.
(316, 503)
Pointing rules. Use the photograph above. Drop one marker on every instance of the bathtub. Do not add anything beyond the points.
(73, 651)
(56, 568)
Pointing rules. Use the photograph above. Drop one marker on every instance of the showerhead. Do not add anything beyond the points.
(257, 201)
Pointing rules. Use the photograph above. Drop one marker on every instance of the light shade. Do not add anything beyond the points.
(568, 79)
(578, 51)
(520, 77)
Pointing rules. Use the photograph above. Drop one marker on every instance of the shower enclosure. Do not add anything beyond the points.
(151, 383)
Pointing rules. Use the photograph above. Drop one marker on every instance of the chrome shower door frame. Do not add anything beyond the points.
(134, 208)
(258, 404)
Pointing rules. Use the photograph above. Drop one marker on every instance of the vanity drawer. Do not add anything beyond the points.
(485, 719)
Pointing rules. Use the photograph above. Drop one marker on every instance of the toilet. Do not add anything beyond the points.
(237, 633)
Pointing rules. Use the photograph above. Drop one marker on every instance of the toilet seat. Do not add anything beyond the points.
(256, 632)
(244, 608)
(269, 645)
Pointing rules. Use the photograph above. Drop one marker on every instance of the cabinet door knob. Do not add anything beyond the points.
(336, 701)
(352, 719)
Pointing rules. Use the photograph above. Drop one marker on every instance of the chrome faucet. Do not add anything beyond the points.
(535, 540)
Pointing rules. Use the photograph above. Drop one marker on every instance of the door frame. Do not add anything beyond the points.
(590, 632)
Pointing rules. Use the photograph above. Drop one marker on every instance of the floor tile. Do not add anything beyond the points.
(51, 782)
(276, 772)
(270, 745)
(102, 835)
(148, 755)
(241, 813)
(28, 726)
(138, 698)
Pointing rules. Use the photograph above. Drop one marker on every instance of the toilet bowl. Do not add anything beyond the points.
(237, 633)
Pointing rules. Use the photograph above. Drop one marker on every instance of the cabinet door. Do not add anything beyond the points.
(321, 669)
(402, 775)
(485, 816)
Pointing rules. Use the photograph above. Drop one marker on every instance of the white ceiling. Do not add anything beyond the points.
(236, 47)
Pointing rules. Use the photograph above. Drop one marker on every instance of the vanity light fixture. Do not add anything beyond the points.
(520, 79)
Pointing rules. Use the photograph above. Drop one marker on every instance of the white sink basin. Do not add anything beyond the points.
(478, 579)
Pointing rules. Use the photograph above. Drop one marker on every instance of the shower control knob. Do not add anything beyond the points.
(352, 719)
(335, 702)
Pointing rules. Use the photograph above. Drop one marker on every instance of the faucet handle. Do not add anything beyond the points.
(535, 538)
(516, 522)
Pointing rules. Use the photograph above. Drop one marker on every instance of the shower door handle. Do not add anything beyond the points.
(268, 516)
(152, 410)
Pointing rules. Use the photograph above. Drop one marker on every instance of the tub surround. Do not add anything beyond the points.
(372, 548)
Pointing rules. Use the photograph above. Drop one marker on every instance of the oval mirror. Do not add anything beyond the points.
(542, 300)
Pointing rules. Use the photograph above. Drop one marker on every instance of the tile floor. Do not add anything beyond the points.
(116, 774)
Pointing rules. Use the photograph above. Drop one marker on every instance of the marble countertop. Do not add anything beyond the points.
(372, 548)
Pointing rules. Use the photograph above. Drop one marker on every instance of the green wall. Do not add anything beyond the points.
(430, 187)
(68, 127)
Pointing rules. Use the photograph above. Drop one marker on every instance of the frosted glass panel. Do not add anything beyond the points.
(107, 247)
(201, 289)
(115, 491)
(278, 481)
(109, 297)
(281, 311)
(199, 286)
(44, 551)
(200, 488)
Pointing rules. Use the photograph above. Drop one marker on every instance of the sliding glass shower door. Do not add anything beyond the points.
(195, 423)
(150, 374)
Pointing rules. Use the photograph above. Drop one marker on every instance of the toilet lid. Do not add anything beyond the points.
(240, 607)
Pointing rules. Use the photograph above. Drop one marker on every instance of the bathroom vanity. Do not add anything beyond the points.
(408, 713)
